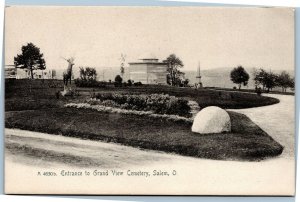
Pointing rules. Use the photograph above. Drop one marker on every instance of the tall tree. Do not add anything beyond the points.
(270, 80)
(174, 63)
(239, 76)
(30, 59)
(88, 73)
(292, 84)
(284, 80)
(259, 77)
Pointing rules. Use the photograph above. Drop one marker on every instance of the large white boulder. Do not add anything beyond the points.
(211, 120)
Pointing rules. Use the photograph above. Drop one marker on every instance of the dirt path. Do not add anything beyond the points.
(277, 120)
(193, 175)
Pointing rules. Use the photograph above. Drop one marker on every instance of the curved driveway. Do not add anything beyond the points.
(277, 120)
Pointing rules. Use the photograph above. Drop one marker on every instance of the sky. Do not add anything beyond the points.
(97, 36)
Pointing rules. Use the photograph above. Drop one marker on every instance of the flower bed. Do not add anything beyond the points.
(102, 108)
(157, 103)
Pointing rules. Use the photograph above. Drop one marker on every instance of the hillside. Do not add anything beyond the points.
(220, 77)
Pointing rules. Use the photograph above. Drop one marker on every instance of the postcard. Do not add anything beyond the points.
(149, 100)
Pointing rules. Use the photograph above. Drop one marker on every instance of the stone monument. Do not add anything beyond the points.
(211, 120)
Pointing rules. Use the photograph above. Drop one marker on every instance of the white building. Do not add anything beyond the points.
(12, 72)
(148, 71)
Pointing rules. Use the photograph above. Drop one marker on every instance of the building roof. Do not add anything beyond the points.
(148, 61)
(155, 59)
(156, 63)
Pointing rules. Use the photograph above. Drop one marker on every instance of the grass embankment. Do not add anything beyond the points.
(252, 91)
(27, 94)
(32, 105)
(246, 141)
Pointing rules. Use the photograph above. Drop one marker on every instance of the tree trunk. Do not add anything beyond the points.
(172, 78)
(240, 85)
(31, 72)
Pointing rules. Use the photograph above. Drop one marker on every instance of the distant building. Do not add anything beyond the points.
(44, 74)
(148, 71)
(12, 72)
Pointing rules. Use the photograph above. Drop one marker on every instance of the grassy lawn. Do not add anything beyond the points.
(252, 91)
(32, 105)
(246, 141)
(204, 97)
(25, 94)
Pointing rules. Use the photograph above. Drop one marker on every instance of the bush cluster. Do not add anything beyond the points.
(158, 103)
(89, 83)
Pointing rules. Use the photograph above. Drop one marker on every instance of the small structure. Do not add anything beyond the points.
(148, 71)
(211, 120)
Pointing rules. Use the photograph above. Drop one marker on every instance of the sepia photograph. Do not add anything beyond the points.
(149, 100)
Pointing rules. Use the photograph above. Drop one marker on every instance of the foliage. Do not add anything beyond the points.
(137, 83)
(267, 79)
(87, 78)
(118, 81)
(239, 76)
(174, 74)
(158, 103)
(110, 107)
(258, 91)
(90, 83)
(292, 84)
(270, 80)
(30, 59)
(259, 77)
(285, 81)
(129, 82)
(186, 82)
(88, 73)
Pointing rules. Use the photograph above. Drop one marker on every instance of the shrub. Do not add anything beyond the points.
(258, 91)
(158, 103)
(85, 83)
(118, 81)
(129, 82)
(89, 83)
(102, 84)
(138, 83)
